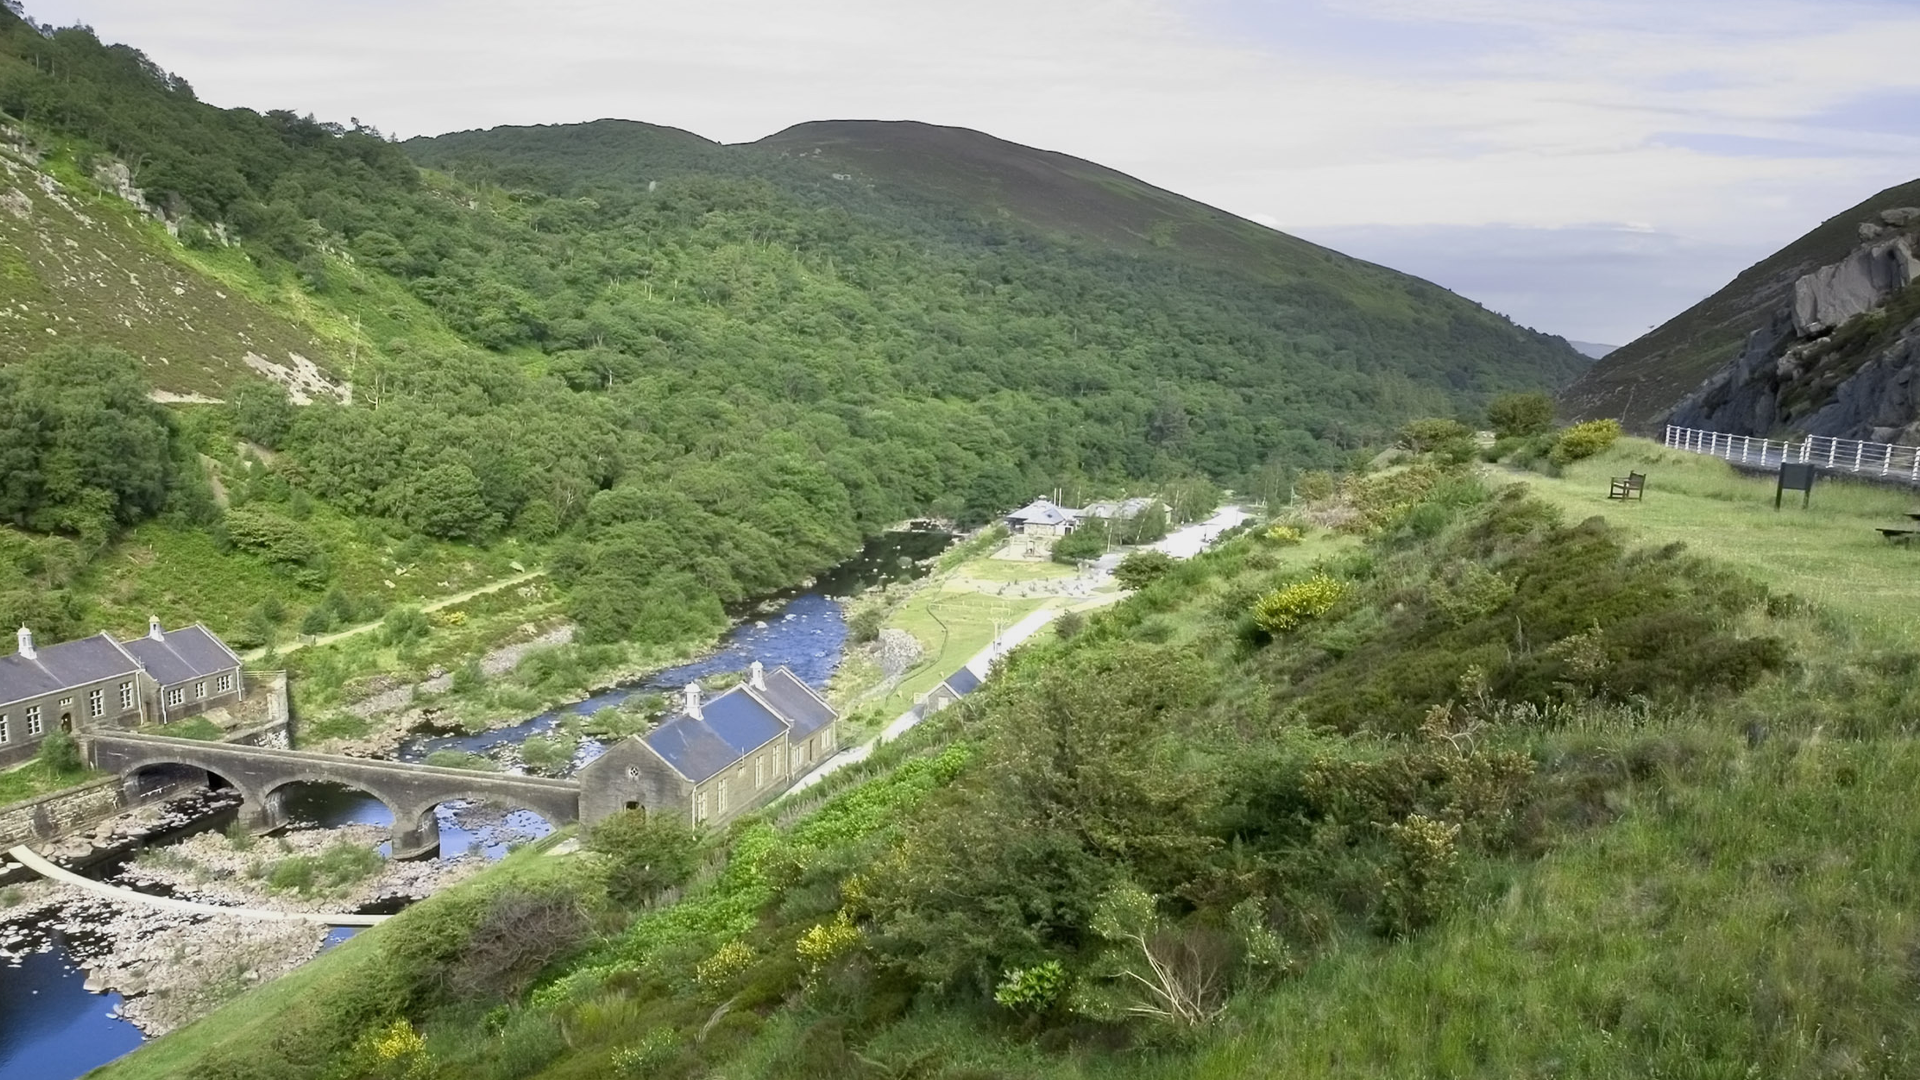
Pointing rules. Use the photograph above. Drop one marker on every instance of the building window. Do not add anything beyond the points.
(6, 733)
(223, 684)
(700, 807)
(177, 695)
(66, 704)
(723, 795)
(826, 741)
(34, 726)
(96, 703)
(200, 689)
(760, 771)
(126, 696)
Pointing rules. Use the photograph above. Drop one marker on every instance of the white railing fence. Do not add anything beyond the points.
(1839, 455)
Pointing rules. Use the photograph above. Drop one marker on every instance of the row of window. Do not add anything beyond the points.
(97, 705)
(724, 792)
(177, 695)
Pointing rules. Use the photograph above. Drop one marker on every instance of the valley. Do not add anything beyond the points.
(881, 599)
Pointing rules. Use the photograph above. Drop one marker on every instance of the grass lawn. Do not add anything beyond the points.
(1828, 555)
(1011, 570)
(951, 626)
(34, 779)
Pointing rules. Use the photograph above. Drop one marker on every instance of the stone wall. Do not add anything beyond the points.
(54, 815)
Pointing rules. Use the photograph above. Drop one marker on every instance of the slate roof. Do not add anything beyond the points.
(182, 655)
(736, 722)
(62, 666)
(796, 703)
(963, 682)
(691, 747)
(1043, 512)
(742, 723)
(1123, 510)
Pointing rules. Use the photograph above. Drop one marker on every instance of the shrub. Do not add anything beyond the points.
(1284, 535)
(1284, 609)
(1087, 543)
(1032, 989)
(1433, 434)
(1512, 415)
(404, 624)
(864, 625)
(1142, 568)
(59, 753)
(1584, 441)
(1422, 880)
(461, 759)
(521, 933)
(824, 942)
(651, 853)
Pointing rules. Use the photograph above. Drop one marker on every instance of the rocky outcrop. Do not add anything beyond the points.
(1864, 280)
(1843, 360)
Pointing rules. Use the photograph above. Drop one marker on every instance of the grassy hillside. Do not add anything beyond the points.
(1505, 792)
(77, 264)
(1642, 380)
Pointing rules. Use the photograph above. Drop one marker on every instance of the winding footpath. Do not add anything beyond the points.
(32, 860)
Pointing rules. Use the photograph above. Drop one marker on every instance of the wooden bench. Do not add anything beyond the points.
(1631, 486)
(1900, 534)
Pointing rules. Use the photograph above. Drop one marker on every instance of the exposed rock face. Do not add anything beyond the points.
(1833, 294)
(1796, 375)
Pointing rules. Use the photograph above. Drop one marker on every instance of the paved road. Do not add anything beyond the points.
(31, 859)
(1182, 543)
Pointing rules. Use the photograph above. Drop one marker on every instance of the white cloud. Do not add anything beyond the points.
(1726, 125)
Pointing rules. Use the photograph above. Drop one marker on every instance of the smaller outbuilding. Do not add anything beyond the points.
(950, 691)
(719, 756)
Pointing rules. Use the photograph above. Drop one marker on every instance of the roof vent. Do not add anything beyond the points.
(26, 644)
(153, 628)
(757, 675)
(693, 701)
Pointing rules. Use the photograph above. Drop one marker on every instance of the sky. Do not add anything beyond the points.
(1587, 167)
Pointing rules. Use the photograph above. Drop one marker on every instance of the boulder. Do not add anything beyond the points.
(1858, 283)
(1901, 216)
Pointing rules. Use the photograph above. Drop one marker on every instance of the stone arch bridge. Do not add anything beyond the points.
(410, 792)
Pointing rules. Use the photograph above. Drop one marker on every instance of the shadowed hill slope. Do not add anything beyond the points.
(1642, 380)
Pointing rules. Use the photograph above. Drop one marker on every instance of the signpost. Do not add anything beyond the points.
(1795, 476)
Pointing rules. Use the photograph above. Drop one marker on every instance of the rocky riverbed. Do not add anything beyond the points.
(172, 968)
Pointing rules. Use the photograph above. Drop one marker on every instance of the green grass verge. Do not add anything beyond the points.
(1829, 555)
(34, 779)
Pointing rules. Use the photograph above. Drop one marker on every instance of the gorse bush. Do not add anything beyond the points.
(1288, 608)
(1585, 440)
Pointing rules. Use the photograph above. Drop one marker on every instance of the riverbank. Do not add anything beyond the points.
(169, 967)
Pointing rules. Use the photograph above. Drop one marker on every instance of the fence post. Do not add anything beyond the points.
(1886, 459)
(1858, 449)
(1746, 443)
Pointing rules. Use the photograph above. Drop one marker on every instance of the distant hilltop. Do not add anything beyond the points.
(1592, 349)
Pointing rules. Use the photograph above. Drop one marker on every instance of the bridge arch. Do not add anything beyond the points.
(144, 777)
(484, 821)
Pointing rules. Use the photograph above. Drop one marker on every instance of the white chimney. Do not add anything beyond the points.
(153, 627)
(693, 700)
(757, 675)
(26, 644)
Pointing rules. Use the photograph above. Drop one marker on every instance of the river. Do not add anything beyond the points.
(52, 1028)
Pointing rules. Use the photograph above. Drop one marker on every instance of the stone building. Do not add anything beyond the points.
(100, 683)
(721, 756)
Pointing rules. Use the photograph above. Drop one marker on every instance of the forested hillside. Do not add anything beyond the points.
(688, 372)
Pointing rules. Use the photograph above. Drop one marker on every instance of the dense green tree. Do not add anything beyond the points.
(82, 449)
(1520, 414)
